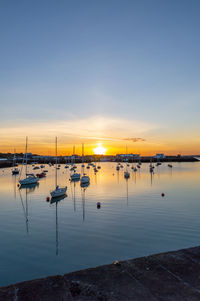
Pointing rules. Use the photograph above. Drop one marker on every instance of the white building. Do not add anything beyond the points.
(159, 156)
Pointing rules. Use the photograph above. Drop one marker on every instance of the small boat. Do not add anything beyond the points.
(88, 167)
(118, 167)
(75, 176)
(36, 167)
(15, 171)
(126, 175)
(135, 169)
(42, 166)
(58, 192)
(66, 166)
(41, 175)
(99, 167)
(85, 179)
(169, 165)
(151, 169)
(30, 179)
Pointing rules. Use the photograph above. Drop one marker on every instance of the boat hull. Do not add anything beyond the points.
(28, 181)
(58, 192)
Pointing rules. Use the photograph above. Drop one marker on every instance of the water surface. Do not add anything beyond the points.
(39, 238)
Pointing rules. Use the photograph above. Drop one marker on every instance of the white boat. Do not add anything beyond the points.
(15, 171)
(30, 179)
(85, 179)
(59, 191)
(127, 173)
(75, 176)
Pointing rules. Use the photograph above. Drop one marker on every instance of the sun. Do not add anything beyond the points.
(99, 150)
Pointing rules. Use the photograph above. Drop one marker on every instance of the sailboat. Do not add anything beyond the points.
(15, 171)
(58, 192)
(30, 178)
(126, 173)
(84, 179)
(75, 176)
(82, 156)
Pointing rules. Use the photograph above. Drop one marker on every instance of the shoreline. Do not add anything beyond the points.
(143, 160)
(172, 275)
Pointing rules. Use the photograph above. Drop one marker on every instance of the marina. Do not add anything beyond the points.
(109, 218)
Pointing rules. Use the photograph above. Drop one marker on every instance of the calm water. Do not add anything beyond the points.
(40, 239)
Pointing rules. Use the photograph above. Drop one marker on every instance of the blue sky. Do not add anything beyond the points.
(132, 61)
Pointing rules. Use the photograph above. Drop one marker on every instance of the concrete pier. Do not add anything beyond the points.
(171, 276)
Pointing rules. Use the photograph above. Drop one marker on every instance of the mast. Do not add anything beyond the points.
(126, 158)
(73, 161)
(14, 159)
(56, 163)
(82, 152)
(26, 153)
(56, 229)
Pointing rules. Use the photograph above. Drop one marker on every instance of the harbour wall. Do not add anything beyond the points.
(170, 276)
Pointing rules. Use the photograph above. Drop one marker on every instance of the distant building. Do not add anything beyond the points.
(159, 156)
(29, 155)
(127, 157)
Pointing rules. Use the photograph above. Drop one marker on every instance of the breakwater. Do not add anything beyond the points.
(166, 276)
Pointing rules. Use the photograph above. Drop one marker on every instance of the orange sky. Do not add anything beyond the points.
(113, 134)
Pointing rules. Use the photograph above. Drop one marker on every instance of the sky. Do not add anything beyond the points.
(116, 72)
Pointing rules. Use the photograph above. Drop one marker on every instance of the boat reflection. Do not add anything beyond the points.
(73, 192)
(126, 191)
(25, 208)
(83, 189)
(56, 200)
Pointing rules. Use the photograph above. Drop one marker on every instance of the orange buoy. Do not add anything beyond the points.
(48, 199)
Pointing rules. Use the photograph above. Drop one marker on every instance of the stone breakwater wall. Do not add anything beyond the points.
(170, 276)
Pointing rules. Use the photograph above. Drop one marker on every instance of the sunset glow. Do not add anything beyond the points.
(99, 150)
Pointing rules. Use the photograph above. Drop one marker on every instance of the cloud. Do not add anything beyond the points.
(135, 139)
